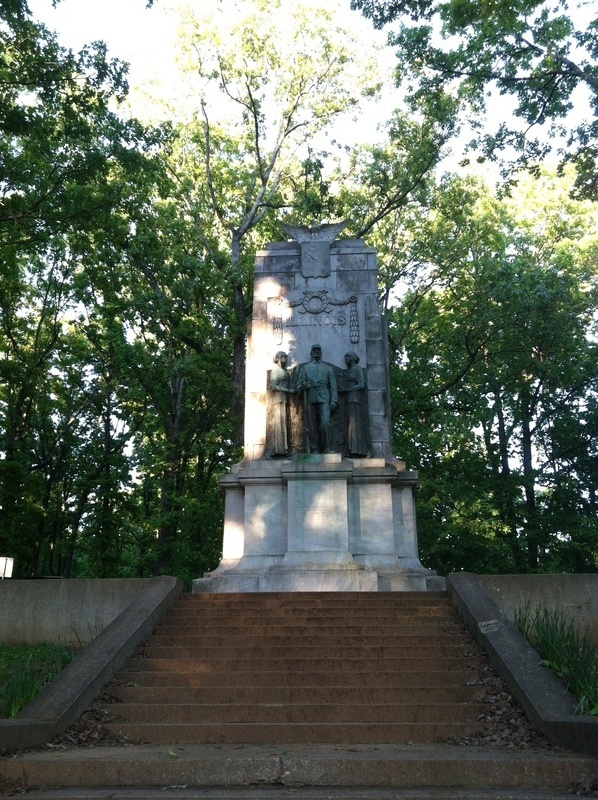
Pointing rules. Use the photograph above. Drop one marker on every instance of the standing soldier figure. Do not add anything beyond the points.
(317, 382)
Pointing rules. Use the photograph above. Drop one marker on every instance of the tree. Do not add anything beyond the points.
(542, 55)
(495, 381)
(382, 181)
(272, 77)
(132, 250)
(71, 167)
(175, 316)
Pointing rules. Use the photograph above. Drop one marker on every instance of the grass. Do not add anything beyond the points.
(565, 650)
(26, 669)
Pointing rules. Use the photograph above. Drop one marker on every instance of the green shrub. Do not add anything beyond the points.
(565, 650)
(26, 669)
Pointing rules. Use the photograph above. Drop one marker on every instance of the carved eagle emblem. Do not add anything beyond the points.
(315, 233)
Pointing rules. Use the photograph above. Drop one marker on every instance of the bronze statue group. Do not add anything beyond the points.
(311, 392)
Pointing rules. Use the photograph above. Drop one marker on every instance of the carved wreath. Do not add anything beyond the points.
(320, 303)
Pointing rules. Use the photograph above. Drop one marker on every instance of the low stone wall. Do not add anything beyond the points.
(545, 699)
(71, 611)
(575, 595)
(65, 698)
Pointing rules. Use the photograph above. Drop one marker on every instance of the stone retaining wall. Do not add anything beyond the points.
(576, 595)
(72, 611)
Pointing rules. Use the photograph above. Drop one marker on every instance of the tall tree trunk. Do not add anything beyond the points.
(76, 517)
(504, 480)
(533, 543)
(239, 343)
(171, 478)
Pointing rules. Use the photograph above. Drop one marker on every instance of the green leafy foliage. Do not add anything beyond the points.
(541, 55)
(104, 325)
(565, 650)
(26, 669)
(127, 255)
(272, 78)
(494, 381)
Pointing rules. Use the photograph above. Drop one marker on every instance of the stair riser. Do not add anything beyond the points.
(316, 664)
(197, 627)
(316, 599)
(428, 774)
(297, 733)
(289, 616)
(305, 793)
(299, 713)
(301, 652)
(268, 679)
(309, 694)
(321, 639)
(292, 616)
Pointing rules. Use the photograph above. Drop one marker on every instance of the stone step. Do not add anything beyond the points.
(326, 652)
(304, 650)
(325, 728)
(294, 694)
(324, 626)
(318, 771)
(309, 638)
(182, 792)
(290, 614)
(339, 615)
(297, 620)
(297, 713)
(276, 678)
(316, 599)
(296, 732)
(368, 604)
(287, 663)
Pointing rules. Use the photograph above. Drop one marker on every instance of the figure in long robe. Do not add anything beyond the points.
(355, 387)
(280, 387)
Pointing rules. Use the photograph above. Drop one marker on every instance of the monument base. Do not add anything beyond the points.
(317, 581)
(319, 523)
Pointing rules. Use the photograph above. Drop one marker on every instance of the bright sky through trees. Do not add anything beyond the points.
(146, 38)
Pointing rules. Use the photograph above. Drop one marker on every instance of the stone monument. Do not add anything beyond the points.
(318, 502)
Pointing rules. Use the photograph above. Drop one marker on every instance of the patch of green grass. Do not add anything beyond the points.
(565, 650)
(26, 669)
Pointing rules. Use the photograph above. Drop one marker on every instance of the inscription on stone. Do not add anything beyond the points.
(313, 310)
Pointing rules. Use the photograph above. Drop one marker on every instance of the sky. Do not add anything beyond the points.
(132, 32)
(146, 37)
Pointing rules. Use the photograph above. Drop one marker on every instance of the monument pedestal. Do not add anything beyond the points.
(298, 517)
(318, 522)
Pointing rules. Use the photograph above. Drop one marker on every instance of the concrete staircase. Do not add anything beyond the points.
(347, 668)
(303, 697)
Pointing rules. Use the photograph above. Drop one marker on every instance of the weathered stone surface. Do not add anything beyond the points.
(543, 696)
(318, 503)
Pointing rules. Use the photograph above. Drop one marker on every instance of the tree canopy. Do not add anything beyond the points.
(542, 55)
(495, 381)
(126, 255)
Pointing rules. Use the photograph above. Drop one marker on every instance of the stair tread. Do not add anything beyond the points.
(353, 656)
(284, 679)
(319, 772)
(312, 694)
(289, 664)
(297, 732)
(338, 667)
